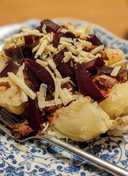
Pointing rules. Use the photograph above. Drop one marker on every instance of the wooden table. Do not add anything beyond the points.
(112, 14)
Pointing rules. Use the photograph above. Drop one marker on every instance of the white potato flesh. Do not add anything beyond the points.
(82, 120)
(10, 97)
(117, 102)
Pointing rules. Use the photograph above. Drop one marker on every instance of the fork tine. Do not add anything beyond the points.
(9, 116)
(5, 130)
(8, 119)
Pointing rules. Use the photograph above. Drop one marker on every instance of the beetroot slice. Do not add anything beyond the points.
(14, 52)
(34, 115)
(85, 84)
(56, 39)
(19, 52)
(27, 52)
(58, 35)
(93, 65)
(58, 58)
(41, 73)
(64, 68)
(33, 81)
(105, 70)
(69, 34)
(10, 67)
(94, 40)
(31, 40)
(50, 26)
(23, 51)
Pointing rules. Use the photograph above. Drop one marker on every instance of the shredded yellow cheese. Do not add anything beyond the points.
(41, 96)
(66, 96)
(97, 49)
(20, 74)
(115, 71)
(21, 84)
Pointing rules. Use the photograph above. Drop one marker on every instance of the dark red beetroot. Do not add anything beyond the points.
(34, 116)
(58, 35)
(10, 67)
(64, 68)
(50, 26)
(27, 52)
(93, 65)
(32, 80)
(41, 73)
(69, 34)
(31, 40)
(14, 52)
(94, 40)
(105, 70)
(56, 39)
(23, 51)
(58, 58)
(85, 84)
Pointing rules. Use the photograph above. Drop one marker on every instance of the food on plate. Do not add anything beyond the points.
(62, 78)
(116, 104)
(82, 120)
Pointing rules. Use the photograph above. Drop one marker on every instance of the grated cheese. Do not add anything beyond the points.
(53, 66)
(67, 56)
(52, 49)
(44, 47)
(45, 127)
(20, 71)
(57, 89)
(41, 48)
(18, 39)
(65, 39)
(82, 44)
(97, 49)
(66, 96)
(20, 74)
(44, 29)
(51, 63)
(43, 63)
(29, 31)
(115, 71)
(21, 84)
(41, 95)
(65, 80)
(53, 103)
(24, 97)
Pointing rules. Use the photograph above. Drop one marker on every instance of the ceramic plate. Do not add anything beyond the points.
(39, 158)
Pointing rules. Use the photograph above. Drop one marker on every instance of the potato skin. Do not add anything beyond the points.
(117, 102)
(82, 120)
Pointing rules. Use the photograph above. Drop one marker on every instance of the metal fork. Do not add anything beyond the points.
(7, 120)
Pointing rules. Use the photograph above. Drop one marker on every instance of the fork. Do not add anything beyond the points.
(8, 120)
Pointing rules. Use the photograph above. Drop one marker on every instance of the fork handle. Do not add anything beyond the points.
(110, 168)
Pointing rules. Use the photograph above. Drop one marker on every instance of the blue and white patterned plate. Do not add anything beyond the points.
(39, 158)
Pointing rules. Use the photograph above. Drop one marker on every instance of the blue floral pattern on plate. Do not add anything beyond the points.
(39, 158)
